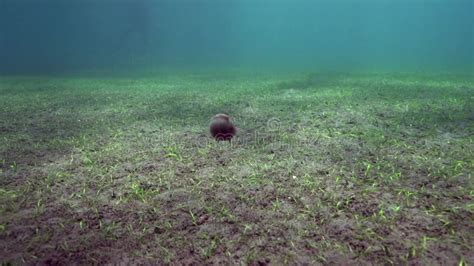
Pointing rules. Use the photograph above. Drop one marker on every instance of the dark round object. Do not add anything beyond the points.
(222, 128)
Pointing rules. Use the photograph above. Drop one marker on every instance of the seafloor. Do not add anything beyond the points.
(325, 168)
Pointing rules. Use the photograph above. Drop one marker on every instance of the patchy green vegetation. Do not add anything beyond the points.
(328, 169)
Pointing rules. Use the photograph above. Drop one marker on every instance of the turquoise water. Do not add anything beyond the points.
(57, 36)
(353, 140)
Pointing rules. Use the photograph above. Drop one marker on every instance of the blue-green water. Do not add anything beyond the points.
(59, 36)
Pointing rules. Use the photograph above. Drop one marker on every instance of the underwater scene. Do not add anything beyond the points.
(236, 132)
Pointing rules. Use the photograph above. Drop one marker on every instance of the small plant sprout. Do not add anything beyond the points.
(247, 227)
(173, 152)
(13, 166)
(193, 218)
